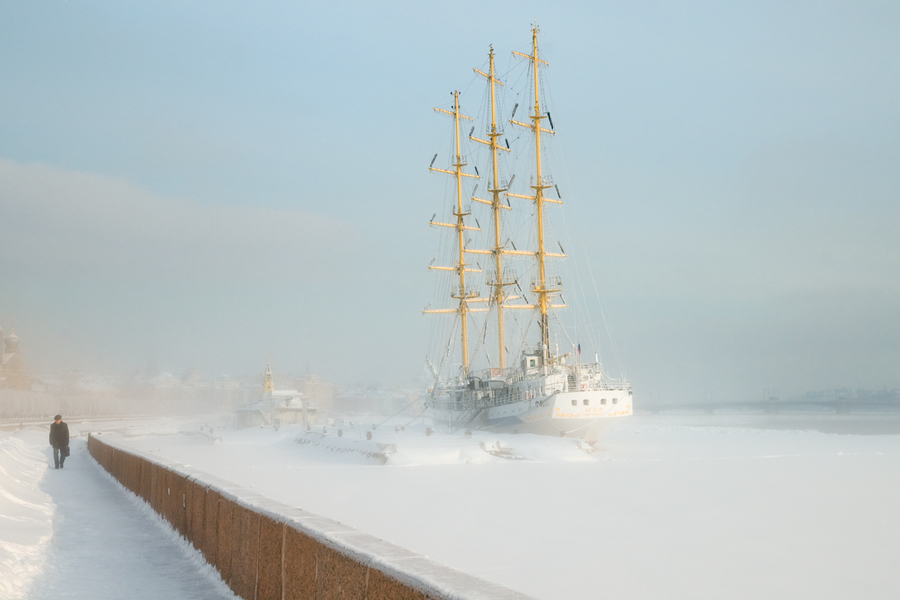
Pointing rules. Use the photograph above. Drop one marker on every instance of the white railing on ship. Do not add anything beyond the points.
(615, 384)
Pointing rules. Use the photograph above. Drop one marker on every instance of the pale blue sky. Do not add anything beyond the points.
(208, 183)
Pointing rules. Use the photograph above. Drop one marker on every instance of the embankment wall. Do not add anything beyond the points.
(266, 550)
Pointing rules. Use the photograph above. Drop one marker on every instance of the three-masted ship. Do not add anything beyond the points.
(543, 391)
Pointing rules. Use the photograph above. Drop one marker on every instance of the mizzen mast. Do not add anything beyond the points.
(463, 296)
(540, 287)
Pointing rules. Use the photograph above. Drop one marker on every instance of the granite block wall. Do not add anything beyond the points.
(269, 554)
(210, 547)
(146, 481)
(196, 525)
(175, 507)
(225, 538)
(244, 561)
(299, 553)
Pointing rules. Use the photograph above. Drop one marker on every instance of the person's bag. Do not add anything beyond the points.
(66, 451)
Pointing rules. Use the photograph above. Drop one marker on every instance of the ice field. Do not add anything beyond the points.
(689, 506)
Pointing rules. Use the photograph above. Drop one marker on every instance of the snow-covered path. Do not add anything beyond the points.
(108, 544)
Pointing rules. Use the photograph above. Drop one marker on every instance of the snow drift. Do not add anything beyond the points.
(26, 516)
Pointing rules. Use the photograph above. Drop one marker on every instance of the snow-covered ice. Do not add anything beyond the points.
(664, 507)
(674, 507)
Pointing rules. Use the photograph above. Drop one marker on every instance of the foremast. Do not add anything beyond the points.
(540, 287)
(464, 296)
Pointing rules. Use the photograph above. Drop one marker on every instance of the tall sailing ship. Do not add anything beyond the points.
(543, 391)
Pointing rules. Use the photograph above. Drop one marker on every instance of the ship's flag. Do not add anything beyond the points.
(579, 349)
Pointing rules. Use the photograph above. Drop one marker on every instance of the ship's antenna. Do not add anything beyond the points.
(460, 226)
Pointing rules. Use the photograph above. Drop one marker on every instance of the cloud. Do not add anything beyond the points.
(103, 275)
(64, 222)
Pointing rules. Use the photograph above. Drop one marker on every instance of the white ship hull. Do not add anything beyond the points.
(584, 415)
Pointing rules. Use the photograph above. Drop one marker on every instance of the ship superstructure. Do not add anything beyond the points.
(543, 391)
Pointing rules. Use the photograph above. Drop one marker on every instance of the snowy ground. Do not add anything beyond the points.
(665, 507)
(75, 533)
(26, 514)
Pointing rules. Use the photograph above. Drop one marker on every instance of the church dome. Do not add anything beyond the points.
(12, 343)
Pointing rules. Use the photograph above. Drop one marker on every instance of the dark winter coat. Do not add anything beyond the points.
(59, 434)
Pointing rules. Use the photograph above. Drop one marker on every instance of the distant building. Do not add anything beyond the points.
(13, 375)
(321, 393)
(269, 383)
(277, 407)
(373, 400)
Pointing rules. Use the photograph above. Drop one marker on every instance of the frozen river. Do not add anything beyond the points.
(667, 506)
(664, 507)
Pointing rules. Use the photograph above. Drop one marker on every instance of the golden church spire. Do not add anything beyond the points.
(269, 385)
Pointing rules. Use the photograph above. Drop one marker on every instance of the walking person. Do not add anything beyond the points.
(59, 439)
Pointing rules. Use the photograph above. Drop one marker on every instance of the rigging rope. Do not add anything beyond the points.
(417, 416)
(398, 412)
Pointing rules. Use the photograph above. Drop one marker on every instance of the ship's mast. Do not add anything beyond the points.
(540, 287)
(498, 294)
(460, 226)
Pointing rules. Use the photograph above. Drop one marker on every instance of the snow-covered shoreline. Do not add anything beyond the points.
(26, 515)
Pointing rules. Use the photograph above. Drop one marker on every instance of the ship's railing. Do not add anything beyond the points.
(452, 405)
(460, 397)
(472, 401)
(615, 384)
(514, 373)
(508, 395)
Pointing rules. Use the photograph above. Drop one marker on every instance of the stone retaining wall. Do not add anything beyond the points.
(266, 550)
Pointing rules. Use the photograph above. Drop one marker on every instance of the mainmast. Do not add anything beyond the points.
(497, 295)
(460, 226)
(540, 287)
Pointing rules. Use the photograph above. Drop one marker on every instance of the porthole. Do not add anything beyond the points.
(615, 400)
(602, 400)
(574, 402)
(587, 401)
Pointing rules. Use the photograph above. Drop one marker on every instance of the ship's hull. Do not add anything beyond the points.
(583, 415)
